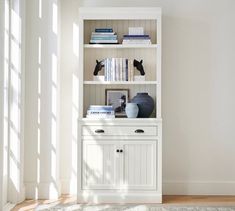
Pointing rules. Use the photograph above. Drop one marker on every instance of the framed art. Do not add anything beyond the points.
(118, 98)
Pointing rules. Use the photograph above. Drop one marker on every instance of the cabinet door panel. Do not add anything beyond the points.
(139, 165)
(99, 165)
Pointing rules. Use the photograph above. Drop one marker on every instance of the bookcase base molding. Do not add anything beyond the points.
(95, 197)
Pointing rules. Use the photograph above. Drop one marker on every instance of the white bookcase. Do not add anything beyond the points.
(116, 164)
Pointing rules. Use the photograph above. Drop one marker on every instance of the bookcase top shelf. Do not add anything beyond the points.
(119, 13)
(119, 82)
(120, 46)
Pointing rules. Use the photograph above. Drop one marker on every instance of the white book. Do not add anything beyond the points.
(131, 42)
(113, 70)
(104, 41)
(91, 116)
(129, 70)
(132, 70)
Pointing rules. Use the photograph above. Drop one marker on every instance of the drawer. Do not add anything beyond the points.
(119, 130)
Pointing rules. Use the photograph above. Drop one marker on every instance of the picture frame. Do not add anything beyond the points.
(118, 98)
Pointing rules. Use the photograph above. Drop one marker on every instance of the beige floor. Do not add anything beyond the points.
(167, 200)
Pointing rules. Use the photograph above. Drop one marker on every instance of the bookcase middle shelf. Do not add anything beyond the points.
(120, 82)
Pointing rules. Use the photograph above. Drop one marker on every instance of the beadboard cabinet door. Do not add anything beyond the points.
(139, 165)
(100, 167)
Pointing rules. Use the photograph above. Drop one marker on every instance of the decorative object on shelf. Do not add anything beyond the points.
(145, 104)
(98, 77)
(132, 110)
(98, 66)
(103, 36)
(136, 36)
(118, 99)
(136, 30)
(139, 66)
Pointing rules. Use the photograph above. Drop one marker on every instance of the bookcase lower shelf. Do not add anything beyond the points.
(121, 161)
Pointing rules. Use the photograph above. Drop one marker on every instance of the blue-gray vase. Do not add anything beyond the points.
(132, 110)
(145, 104)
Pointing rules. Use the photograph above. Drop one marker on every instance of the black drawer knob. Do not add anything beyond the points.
(99, 131)
(121, 150)
(117, 150)
(139, 131)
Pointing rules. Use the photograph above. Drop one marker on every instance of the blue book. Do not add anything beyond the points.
(103, 33)
(103, 38)
(103, 30)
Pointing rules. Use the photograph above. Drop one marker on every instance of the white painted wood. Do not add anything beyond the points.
(95, 197)
(122, 121)
(100, 168)
(159, 60)
(139, 165)
(119, 130)
(81, 65)
(120, 13)
(135, 173)
(120, 82)
(8, 207)
(120, 46)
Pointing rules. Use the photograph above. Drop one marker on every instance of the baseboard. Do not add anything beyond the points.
(8, 207)
(43, 190)
(198, 188)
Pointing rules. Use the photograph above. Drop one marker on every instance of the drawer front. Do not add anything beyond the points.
(119, 130)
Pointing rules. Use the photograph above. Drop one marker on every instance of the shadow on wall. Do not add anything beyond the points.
(42, 91)
(14, 97)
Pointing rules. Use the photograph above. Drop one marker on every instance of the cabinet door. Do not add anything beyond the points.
(100, 164)
(139, 165)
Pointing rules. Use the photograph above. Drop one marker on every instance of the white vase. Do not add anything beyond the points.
(132, 110)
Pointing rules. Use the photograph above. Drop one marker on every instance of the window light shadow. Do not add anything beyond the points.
(15, 104)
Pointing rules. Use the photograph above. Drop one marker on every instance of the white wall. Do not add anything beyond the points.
(2, 26)
(69, 95)
(42, 91)
(198, 99)
(11, 100)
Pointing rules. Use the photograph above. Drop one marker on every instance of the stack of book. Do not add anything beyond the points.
(100, 111)
(136, 39)
(103, 36)
(118, 69)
